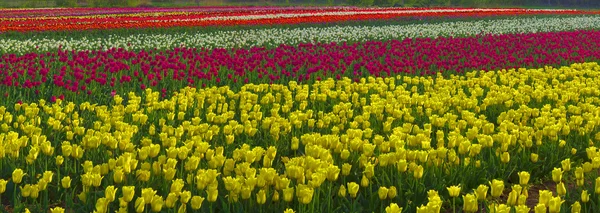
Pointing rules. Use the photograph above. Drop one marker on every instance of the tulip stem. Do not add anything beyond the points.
(454, 204)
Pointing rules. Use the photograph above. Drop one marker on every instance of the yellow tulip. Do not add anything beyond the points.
(364, 182)
(171, 200)
(566, 164)
(418, 173)
(353, 189)
(3, 185)
(17, 176)
(57, 210)
(481, 192)
(576, 207)
(393, 208)
(505, 158)
(148, 194)
(392, 192)
(497, 187)
(342, 191)
(101, 205)
(185, 196)
(128, 193)
(523, 178)
(534, 157)
(560, 189)
(454, 191)
(470, 203)
(157, 203)
(196, 202)
(597, 185)
(288, 194)
(110, 193)
(139, 204)
(289, 211)
(261, 197)
(554, 204)
(26, 190)
(382, 192)
(557, 175)
(522, 209)
(213, 193)
(585, 197)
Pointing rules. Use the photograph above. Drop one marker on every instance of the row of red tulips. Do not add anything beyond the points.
(76, 72)
(162, 18)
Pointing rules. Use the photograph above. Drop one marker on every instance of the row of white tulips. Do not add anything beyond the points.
(292, 36)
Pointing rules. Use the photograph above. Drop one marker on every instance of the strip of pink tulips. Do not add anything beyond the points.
(72, 72)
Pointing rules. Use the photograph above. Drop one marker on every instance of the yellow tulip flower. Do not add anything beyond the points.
(57, 209)
(523, 178)
(140, 203)
(392, 192)
(576, 207)
(17, 176)
(585, 197)
(128, 193)
(470, 203)
(454, 191)
(353, 189)
(196, 202)
(110, 193)
(157, 203)
(522, 209)
(382, 192)
(481, 192)
(497, 187)
(393, 208)
(554, 204)
(261, 197)
(557, 175)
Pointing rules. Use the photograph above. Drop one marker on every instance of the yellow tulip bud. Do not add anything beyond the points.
(3, 185)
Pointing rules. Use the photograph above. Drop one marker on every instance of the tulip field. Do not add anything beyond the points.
(299, 109)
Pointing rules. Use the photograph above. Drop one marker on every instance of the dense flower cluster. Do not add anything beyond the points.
(75, 72)
(317, 147)
(273, 37)
(77, 19)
